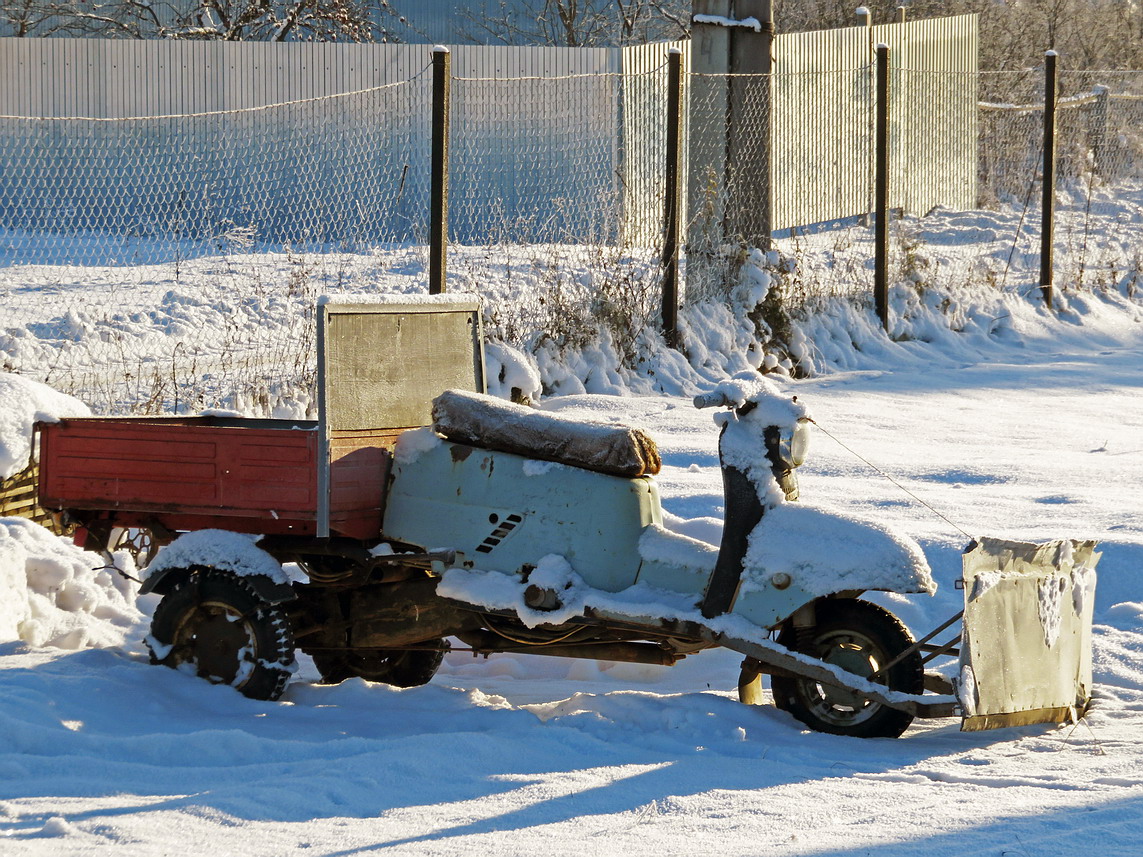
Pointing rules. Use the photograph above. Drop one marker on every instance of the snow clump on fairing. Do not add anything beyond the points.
(743, 444)
(413, 443)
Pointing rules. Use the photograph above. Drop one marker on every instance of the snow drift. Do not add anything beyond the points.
(54, 594)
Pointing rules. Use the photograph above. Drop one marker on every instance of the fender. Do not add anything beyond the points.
(826, 551)
(800, 552)
(221, 550)
(271, 591)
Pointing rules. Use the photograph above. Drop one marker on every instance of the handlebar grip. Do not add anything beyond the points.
(716, 399)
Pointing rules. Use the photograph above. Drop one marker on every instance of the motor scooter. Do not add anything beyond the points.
(419, 514)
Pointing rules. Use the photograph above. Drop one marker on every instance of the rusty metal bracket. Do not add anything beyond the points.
(917, 646)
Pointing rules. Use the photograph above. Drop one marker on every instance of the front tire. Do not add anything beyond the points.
(215, 623)
(861, 638)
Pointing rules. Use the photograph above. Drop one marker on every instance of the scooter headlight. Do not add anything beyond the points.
(794, 445)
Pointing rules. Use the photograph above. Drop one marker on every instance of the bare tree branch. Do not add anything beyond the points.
(228, 20)
(578, 23)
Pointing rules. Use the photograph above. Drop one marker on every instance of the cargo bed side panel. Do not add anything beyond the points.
(178, 468)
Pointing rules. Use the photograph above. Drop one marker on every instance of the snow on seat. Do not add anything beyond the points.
(490, 423)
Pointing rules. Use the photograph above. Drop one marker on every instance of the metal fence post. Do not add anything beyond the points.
(865, 20)
(438, 188)
(1048, 206)
(881, 192)
(670, 311)
(1099, 129)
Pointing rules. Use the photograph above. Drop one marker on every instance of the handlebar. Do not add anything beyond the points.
(716, 399)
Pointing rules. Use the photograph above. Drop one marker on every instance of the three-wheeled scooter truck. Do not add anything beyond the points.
(425, 513)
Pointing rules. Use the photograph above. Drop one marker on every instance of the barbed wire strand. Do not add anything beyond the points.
(261, 108)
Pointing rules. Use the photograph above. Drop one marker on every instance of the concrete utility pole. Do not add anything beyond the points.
(737, 39)
(749, 122)
(706, 157)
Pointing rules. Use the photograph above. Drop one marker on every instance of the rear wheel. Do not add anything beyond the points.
(861, 638)
(398, 667)
(217, 625)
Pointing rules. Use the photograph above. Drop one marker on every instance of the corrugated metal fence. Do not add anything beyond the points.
(118, 78)
(822, 127)
(549, 144)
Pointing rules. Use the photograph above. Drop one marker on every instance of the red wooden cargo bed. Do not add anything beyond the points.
(186, 473)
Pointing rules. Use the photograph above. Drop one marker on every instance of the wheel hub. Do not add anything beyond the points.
(217, 641)
(856, 655)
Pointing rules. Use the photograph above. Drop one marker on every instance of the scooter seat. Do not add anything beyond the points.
(485, 421)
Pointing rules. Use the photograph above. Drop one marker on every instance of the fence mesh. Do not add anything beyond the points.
(171, 263)
(553, 180)
(1100, 180)
(307, 173)
(559, 222)
(1098, 175)
(728, 185)
(823, 183)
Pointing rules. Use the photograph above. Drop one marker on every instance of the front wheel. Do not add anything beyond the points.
(861, 638)
(215, 624)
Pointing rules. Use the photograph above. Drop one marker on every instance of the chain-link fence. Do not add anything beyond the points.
(965, 180)
(573, 232)
(728, 187)
(155, 189)
(1100, 180)
(1098, 172)
(171, 262)
(823, 183)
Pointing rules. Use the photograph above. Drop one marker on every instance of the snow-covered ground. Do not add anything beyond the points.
(1026, 427)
